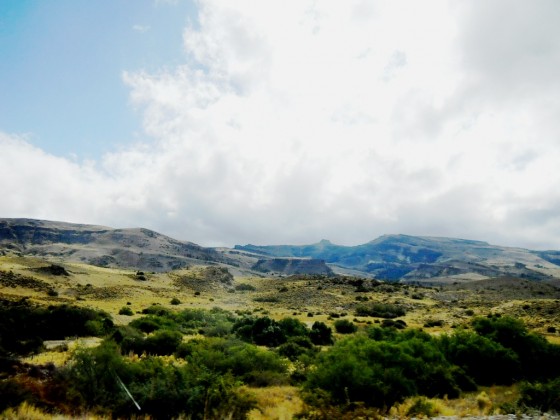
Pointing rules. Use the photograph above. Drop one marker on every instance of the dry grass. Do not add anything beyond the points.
(28, 412)
(487, 401)
(275, 403)
(111, 289)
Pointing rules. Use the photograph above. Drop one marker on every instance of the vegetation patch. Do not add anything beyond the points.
(380, 310)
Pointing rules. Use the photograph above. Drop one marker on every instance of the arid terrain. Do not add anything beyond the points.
(438, 307)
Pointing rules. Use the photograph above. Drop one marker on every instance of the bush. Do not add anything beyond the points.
(381, 310)
(537, 357)
(482, 359)
(162, 390)
(320, 334)
(542, 396)
(24, 326)
(242, 287)
(125, 310)
(343, 326)
(381, 373)
(296, 347)
(175, 301)
(262, 331)
(163, 342)
(292, 327)
(243, 360)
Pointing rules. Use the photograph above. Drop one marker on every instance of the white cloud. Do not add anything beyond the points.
(141, 28)
(295, 121)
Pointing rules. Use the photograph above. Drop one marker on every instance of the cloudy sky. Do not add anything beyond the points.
(291, 121)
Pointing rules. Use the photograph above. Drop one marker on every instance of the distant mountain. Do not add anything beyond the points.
(412, 258)
(389, 257)
(140, 249)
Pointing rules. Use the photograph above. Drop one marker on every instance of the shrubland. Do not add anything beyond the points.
(197, 357)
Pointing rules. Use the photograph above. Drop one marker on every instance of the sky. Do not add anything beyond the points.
(269, 122)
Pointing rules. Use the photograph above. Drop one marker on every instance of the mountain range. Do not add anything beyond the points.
(390, 257)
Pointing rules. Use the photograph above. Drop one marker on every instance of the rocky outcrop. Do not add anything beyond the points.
(291, 266)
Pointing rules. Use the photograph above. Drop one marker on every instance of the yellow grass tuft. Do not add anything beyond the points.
(275, 403)
(28, 412)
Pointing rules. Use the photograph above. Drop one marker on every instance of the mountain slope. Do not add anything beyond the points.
(402, 257)
(141, 249)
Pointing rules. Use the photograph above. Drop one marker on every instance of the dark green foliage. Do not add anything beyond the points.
(261, 331)
(537, 357)
(249, 363)
(151, 323)
(399, 324)
(215, 322)
(542, 396)
(296, 347)
(433, 323)
(125, 310)
(485, 361)
(343, 326)
(162, 390)
(292, 327)
(157, 310)
(23, 326)
(175, 301)
(163, 342)
(381, 310)
(381, 373)
(320, 334)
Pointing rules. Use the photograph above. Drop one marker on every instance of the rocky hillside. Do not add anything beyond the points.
(411, 258)
(141, 249)
(291, 266)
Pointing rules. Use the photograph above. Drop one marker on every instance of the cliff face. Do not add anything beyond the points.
(291, 266)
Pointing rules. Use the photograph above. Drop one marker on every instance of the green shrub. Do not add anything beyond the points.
(537, 357)
(380, 310)
(243, 360)
(243, 287)
(320, 334)
(381, 373)
(157, 310)
(262, 331)
(292, 327)
(125, 310)
(343, 326)
(24, 326)
(162, 390)
(163, 342)
(485, 361)
(542, 396)
(175, 301)
(296, 347)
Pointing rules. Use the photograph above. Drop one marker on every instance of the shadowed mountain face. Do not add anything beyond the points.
(411, 258)
(124, 248)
